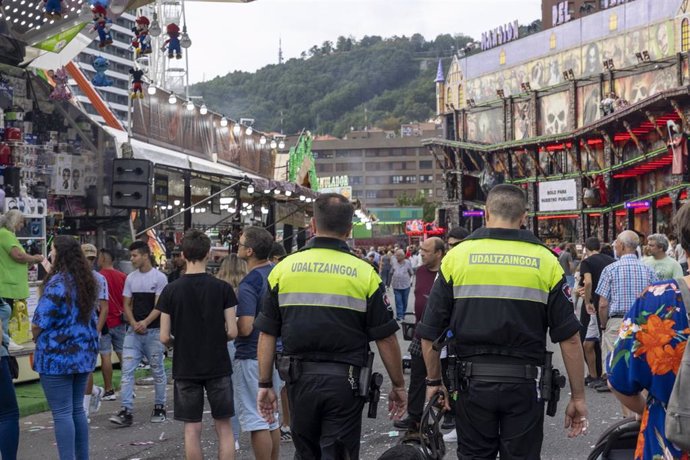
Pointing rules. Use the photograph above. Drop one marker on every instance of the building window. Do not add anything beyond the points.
(355, 180)
(371, 194)
(426, 178)
(342, 167)
(324, 168)
(685, 35)
(461, 96)
(426, 164)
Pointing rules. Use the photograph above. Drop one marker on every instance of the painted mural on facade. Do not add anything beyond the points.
(486, 126)
(658, 40)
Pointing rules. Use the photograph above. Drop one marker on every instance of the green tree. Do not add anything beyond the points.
(419, 200)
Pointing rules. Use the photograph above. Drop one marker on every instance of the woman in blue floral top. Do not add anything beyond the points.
(64, 329)
(647, 355)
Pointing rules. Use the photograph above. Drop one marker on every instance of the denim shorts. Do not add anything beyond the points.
(245, 378)
(189, 399)
(113, 340)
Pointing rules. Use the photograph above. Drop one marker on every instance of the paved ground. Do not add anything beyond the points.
(145, 440)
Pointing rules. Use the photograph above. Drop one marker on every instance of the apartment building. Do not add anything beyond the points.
(382, 165)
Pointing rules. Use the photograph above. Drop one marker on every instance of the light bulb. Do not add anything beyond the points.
(170, 206)
(281, 145)
(232, 210)
(288, 193)
(203, 110)
(267, 191)
(250, 188)
(302, 197)
(249, 131)
(262, 140)
(276, 192)
(274, 144)
(151, 90)
(237, 129)
(264, 210)
(190, 106)
(155, 27)
(185, 41)
(309, 200)
(176, 202)
(224, 122)
(172, 99)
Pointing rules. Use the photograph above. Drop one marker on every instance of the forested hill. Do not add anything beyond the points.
(333, 87)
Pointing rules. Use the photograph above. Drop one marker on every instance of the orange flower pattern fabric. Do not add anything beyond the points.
(647, 356)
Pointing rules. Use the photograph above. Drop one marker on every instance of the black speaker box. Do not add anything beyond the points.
(11, 181)
(131, 196)
(132, 171)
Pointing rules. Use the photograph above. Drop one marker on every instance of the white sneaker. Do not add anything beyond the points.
(96, 395)
(451, 436)
(13, 346)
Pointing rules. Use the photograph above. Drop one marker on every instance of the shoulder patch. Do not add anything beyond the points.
(567, 292)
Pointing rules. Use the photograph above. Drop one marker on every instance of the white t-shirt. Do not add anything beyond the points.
(680, 255)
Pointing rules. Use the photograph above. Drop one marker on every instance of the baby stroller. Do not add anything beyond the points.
(618, 442)
(425, 444)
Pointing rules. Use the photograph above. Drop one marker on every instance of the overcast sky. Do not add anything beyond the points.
(235, 36)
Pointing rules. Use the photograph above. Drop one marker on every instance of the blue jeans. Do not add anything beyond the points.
(9, 414)
(136, 347)
(401, 296)
(65, 395)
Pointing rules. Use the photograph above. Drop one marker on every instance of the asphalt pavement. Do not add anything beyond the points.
(145, 440)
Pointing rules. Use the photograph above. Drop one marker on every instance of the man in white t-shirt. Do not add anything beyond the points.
(142, 289)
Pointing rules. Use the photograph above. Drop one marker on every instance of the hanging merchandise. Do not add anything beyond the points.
(61, 91)
(100, 65)
(172, 44)
(52, 8)
(137, 83)
(101, 25)
(141, 41)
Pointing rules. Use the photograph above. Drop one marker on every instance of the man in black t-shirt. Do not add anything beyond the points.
(198, 319)
(590, 272)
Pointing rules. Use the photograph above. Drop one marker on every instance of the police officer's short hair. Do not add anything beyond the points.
(333, 214)
(195, 245)
(459, 233)
(592, 243)
(507, 202)
(681, 222)
(658, 239)
(277, 250)
(260, 240)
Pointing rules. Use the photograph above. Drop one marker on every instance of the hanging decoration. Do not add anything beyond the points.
(52, 8)
(100, 65)
(61, 91)
(136, 92)
(141, 41)
(101, 25)
(172, 44)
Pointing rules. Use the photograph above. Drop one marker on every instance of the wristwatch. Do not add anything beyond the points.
(433, 382)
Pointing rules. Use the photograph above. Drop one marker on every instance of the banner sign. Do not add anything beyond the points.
(559, 195)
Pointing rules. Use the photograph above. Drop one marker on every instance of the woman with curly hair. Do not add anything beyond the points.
(64, 329)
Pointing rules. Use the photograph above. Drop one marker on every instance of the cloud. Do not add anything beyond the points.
(244, 36)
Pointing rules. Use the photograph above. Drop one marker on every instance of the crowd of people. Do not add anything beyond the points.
(264, 335)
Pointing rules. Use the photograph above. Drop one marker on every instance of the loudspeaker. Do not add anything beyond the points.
(442, 213)
(131, 196)
(11, 181)
(131, 184)
(91, 201)
(132, 171)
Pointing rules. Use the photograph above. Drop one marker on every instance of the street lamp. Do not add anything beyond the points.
(203, 110)
(262, 140)
(190, 106)
(237, 129)
(151, 89)
(274, 144)
(223, 121)
(172, 99)
(250, 189)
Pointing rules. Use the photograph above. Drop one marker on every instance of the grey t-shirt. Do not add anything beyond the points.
(566, 260)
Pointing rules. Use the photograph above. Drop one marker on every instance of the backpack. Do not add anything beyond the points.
(677, 423)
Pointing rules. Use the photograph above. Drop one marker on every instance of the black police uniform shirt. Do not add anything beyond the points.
(326, 304)
(500, 290)
(196, 304)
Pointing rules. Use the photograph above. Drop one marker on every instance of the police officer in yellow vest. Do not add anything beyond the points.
(326, 305)
(498, 292)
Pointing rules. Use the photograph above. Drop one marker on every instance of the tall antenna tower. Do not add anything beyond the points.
(280, 50)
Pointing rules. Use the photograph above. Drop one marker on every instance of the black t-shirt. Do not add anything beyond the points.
(594, 265)
(196, 304)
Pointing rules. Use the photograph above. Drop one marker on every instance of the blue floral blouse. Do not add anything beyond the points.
(647, 356)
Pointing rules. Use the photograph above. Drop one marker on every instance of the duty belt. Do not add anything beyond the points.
(487, 372)
(326, 368)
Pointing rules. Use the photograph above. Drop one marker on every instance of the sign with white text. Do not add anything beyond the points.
(559, 195)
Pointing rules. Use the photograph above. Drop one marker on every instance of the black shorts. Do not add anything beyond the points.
(189, 399)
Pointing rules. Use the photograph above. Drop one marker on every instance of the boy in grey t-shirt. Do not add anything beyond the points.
(141, 291)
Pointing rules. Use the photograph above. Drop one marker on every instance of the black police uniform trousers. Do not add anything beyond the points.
(326, 418)
(499, 417)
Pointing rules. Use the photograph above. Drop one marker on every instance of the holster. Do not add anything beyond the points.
(289, 368)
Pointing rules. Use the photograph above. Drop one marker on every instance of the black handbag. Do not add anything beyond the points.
(14, 367)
